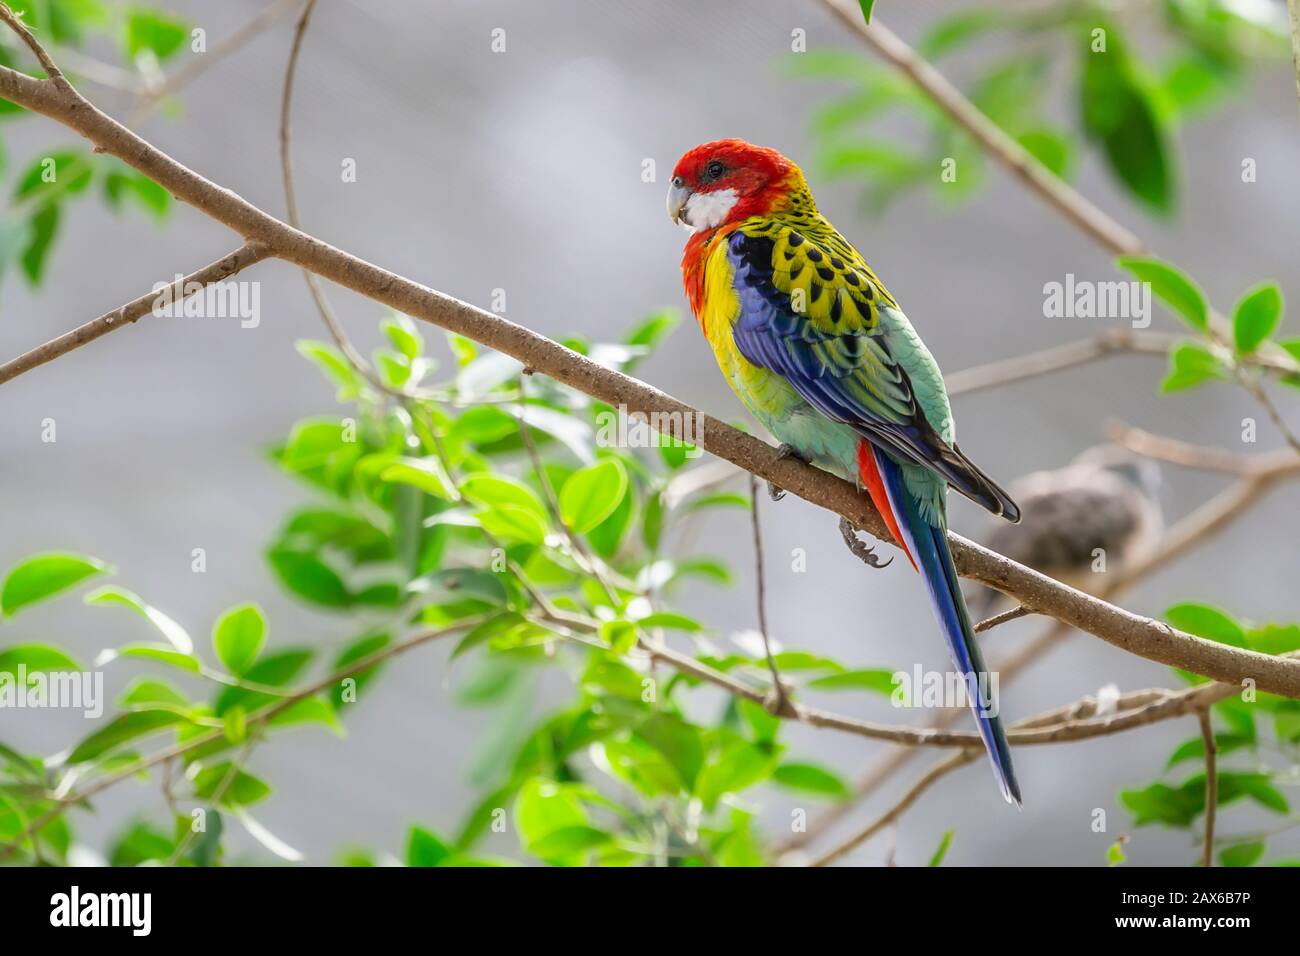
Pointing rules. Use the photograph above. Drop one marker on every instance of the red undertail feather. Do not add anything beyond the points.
(870, 477)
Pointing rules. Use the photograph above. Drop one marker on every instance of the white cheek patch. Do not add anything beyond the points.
(709, 210)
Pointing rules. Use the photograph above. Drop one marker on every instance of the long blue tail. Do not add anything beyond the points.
(928, 545)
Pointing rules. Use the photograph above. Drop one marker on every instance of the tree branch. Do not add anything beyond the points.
(931, 777)
(1211, 785)
(1293, 7)
(243, 257)
(1103, 345)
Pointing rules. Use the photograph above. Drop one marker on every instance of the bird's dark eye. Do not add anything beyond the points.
(713, 170)
(678, 181)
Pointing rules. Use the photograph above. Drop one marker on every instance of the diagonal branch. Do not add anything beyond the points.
(1134, 633)
(243, 257)
(1018, 368)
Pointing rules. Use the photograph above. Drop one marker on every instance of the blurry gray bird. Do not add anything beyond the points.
(1100, 513)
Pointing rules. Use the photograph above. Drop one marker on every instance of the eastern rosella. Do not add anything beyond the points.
(820, 353)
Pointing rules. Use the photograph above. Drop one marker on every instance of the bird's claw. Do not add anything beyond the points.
(860, 550)
(783, 451)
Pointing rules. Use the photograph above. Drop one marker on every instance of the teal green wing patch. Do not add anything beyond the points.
(813, 312)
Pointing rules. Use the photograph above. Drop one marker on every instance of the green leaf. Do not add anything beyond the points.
(739, 766)
(1207, 622)
(1115, 854)
(123, 729)
(333, 364)
(427, 474)
(1243, 854)
(568, 841)
(1258, 787)
(1274, 638)
(1161, 803)
(957, 30)
(43, 576)
(122, 182)
(401, 331)
(1194, 748)
(44, 226)
(36, 658)
(424, 848)
(65, 172)
(654, 329)
(310, 578)
(493, 491)
(679, 742)
(543, 807)
(866, 6)
(811, 778)
(1172, 287)
(308, 710)
(242, 790)
(462, 348)
(1257, 316)
(942, 850)
(151, 693)
(723, 499)
(110, 595)
(140, 843)
(238, 637)
(1190, 365)
(879, 680)
(274, 670)
(155, 31)
(1050, 148)
(513, 523)
(235, 725)
(619, 635)
(1123, 111)
(162, 653)
(591, 494)
(670, 621)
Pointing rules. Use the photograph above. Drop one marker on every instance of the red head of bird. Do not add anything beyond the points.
(729, 180)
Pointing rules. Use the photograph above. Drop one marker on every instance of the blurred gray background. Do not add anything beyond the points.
(522, 171)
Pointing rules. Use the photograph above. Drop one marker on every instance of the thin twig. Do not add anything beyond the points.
(198, 65)
(1211, 785)
(1019, 611)
(1081, 352)
(1293, 6)
(1184, 454)
(778, 702)
(332, 324)
(931, 776)
(576, 543)
(243, 257)
(51, 68)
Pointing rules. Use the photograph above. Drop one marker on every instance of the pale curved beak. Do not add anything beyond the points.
(677, 198)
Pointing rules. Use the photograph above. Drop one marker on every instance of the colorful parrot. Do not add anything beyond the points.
(820, 353)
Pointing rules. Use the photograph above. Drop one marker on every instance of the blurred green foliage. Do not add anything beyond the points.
(538, 550)
(1059, 79)
(47, 185)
